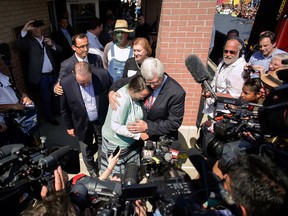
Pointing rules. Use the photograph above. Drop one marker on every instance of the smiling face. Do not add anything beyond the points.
(266, 46)
(140, 53)
(81, 47)
(231, 51)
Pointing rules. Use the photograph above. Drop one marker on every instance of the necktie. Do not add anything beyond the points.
(149, 101)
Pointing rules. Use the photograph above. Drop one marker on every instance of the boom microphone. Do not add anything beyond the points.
(199, 72)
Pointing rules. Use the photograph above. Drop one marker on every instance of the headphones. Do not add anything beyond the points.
(242, 50)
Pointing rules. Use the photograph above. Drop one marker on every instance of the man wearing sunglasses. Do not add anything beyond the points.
(228, 80)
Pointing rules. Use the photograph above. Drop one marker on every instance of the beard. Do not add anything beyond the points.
(228, 60)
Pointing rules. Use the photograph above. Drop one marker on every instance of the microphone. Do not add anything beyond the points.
(283, 73)
(284, 61)
(199, 72)
(53, 160)
(131, 174)
(9, 149)
(174, 149)
(148, 150)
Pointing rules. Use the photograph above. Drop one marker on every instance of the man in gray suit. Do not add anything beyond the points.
(80, 45)
(41, 65)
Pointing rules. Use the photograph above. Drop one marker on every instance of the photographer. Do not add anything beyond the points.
(57, 202)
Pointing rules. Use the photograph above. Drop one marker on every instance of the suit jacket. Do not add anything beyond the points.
(166, 114)
(73, 108)
(68, 65)
(60, 39)
(35, 54)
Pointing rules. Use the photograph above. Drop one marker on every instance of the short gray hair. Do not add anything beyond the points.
(151, 67)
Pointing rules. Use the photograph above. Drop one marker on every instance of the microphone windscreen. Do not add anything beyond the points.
(196, 68)
(284, 61)
(60, 153)
(131, 174)
(149, 145)
(283, 73)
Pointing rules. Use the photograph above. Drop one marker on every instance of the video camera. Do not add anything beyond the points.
(24, 170)
(115, 198)
(244, 132)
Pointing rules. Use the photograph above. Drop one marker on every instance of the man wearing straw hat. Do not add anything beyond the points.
(119, 51)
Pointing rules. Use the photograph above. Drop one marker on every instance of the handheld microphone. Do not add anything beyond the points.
(174, 149)
(148, 150)
(199, 72)
(131, 174)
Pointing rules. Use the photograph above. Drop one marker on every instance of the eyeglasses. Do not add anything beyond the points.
(153, 83)
(233, 52)
(83, 46)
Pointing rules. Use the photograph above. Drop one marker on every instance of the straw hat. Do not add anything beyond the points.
(271, 79)
(122, 25)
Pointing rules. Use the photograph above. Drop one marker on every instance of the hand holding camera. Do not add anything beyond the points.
(33, 24)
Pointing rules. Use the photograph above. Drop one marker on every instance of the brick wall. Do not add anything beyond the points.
(15, 13)
(185, 28)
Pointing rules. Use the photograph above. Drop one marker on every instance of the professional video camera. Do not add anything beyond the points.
(169, 193)
(24, 170)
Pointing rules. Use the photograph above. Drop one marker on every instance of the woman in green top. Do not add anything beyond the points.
(114, 130)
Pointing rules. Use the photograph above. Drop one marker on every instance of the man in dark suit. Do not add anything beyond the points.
(164, 108)
(63, 37)
(41, 65)
(80, 45)
(84, 106)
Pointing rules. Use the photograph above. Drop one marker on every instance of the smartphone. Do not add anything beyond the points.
(115, 152)
(38, 23)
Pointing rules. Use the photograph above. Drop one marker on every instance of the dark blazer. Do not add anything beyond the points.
(61, 40)
(35, 54)
(166, 114)
(68, 65)
(73, 108)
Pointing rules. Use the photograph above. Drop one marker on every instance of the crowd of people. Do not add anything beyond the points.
(245, 11)
(116, 94)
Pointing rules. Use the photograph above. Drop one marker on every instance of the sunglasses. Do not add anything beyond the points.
(233, 52)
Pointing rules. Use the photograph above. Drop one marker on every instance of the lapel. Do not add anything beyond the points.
(37, 43)
(161, 96)
(77, 93)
